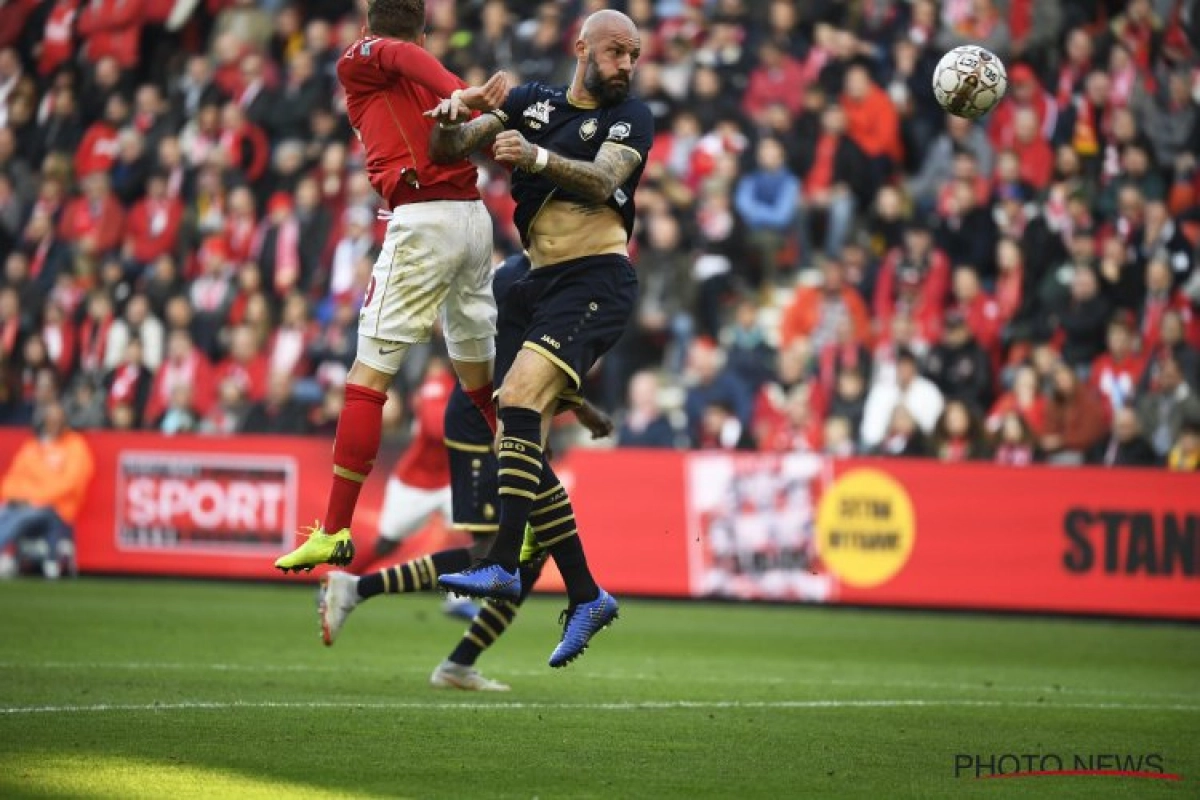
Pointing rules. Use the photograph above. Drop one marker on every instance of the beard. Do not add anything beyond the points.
(609, 92)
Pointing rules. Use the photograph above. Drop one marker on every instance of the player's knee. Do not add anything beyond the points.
(377, 362)
(472, 351)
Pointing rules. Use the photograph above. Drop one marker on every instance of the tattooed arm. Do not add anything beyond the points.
(454, 142)
(594, 181)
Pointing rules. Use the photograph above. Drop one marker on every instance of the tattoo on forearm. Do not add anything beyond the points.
(594, 180)
(458, 142)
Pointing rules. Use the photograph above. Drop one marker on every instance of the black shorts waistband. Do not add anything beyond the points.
(603, 260)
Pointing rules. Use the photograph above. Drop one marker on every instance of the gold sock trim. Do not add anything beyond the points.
(552, 523)
(537, 512)
(557, 539)
(519, 473)
(342, 472)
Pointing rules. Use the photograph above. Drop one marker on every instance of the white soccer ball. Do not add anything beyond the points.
(969, 81)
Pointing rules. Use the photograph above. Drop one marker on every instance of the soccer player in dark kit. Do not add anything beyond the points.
(578, 152)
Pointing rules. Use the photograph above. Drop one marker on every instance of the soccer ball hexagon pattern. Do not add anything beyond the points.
(969, 81)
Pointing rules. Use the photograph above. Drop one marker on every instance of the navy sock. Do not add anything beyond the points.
(520, 475)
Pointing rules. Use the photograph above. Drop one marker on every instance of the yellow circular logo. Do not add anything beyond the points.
(865, 527)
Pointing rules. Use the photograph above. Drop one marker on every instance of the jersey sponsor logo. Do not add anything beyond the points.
(551, 341)
(619, 132)
(588, 129)
(538, 114)
(365, 49)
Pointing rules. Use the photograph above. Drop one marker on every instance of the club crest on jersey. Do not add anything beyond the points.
(588, 129)
(619, 132)
(538, 114)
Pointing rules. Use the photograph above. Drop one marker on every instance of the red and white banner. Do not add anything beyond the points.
(659, 523)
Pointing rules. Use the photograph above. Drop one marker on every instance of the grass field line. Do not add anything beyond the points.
(649, 705)
(816, 680)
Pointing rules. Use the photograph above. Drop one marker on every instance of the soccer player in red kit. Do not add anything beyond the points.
(436, 255)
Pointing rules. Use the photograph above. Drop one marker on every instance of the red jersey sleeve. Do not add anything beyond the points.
(379, 62)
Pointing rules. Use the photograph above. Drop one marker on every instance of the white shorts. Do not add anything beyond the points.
(405, 509)
(436, 259)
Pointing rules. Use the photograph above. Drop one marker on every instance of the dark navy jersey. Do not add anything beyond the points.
(545, 117)
(464, 423)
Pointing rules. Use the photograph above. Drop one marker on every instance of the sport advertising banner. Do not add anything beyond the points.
(786, 528)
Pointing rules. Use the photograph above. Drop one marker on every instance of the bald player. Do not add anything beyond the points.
(577, 154)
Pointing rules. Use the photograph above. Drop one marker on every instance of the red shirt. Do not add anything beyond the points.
(389, 86)
(425, 465)
(1117, 380)
(152, 228)
(251, 377)
(112, 28)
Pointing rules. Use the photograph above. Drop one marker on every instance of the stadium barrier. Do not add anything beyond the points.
(793, 528)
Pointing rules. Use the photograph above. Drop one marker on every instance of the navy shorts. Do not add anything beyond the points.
(473, 467)
(571, 313)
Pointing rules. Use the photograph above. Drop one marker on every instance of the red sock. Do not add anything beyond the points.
(482, 398)
(359, 430)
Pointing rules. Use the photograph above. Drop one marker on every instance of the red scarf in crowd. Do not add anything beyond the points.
(93, 337)
(124, 386)
(287, 256)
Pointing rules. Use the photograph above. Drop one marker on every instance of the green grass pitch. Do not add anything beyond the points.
(156, 689)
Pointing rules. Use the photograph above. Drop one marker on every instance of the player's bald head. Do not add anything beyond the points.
(605, 23)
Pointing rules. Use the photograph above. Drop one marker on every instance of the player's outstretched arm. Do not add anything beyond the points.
(594, 181)
(453, 141)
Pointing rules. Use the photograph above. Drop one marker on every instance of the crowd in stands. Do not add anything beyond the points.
(828, 261)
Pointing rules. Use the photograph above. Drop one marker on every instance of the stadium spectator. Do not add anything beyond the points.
(185, 368)
(797, 429)
(778, 79)
(722, 429)
(1185, 454)
(936, 168)
(959, 435)
(1016, 444)
(914, 281)
(95, 222)
(967, 232)
(278, 412)
(1076, 418)
(128, 385)
(1117, 373)
(871, 121)
(959, 365)
(644, 424)
(44, 488)
(814, 311)
(903, 436)
(152, 228)
(714, 385)
(1165, 406)
(837, 179)
(766, 200)
(245, 367)
(1125, 446)
(1083, 320)
(919, 396)
(1171, 342)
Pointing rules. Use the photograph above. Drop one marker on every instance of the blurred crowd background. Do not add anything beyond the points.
(828, 262)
